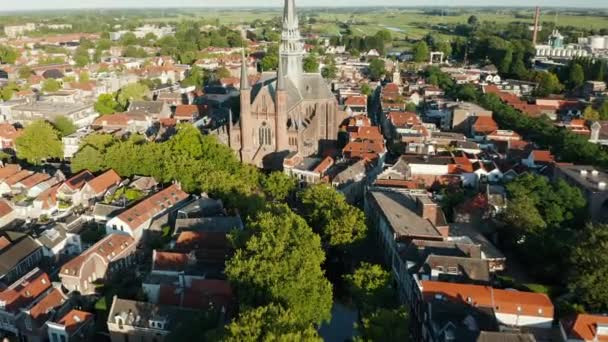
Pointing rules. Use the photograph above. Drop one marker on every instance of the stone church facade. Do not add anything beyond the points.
(287, 111)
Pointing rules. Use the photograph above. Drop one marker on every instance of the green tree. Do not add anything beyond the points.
(389, 325)
(473, 21)
(604, 110)
(269, 323)
(591, 114)
(330, 70)
(222, 72)
(311, 63)
(548, 83)
(271, 59)
(50, 85)
(196, 77)
(278, 260)
(385, 36)
(81, 57)
(370, 286)
(88, 158)
(366, 89)
(421, 51)
(132, 92)
(278, 185)
(106, 104)
(25, 72)
(410, 107)
(39, 142)
(8, 55)
(590, 268)
(64, 126)
(576, 76)
(339, 223)
(377, 68)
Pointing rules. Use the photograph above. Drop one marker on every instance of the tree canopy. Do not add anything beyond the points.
(50, 85)
(64, 125)
(338, 222)
(377, 68)
(311, 64)
(106, 104)
(131, 92)
(39, 141)
(590, 268)
(270, 323)
(278, 260)
(278, 185)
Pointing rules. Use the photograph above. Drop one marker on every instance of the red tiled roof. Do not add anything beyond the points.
(324, 165)
(118, 119)
(401, 119)
(5, 208)
(200, 295)
(73, 320)
(9, 132)
(502, 301)
(77, 181)
(17, 177)
(4, 243)
(135, 216)
(48, 197)
(190, 240)
(169, 261)
(25, 290)
(584, 327)
(186, 111)
(366, 149)
(356, 100)
(34, 180)
(104, 181)
(485, 124)
(390, 88)
(106, 250)
(367, 132)
(543, 156)
(9, 170)
(53, 299)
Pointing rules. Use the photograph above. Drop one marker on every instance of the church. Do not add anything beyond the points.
(285, 111)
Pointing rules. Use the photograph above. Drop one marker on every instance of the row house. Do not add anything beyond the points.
(7, 213)
(74, 326)
(130, 320)
(95, 189)
(399, 217)
(480, 308)
(584, 328)
(128, 122)
(8, 136)
(113, 253)
(19, 253)
(138, 218)
(356, 104)
(70, 191)
(59, 241)
(19, 295)
(309, 170)
(32, 322)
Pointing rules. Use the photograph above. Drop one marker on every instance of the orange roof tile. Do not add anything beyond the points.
(25, 290)
(501, 301)
(584, 327)
(73, 320)
(79, 180)
(34, 180)
(169, 261)
(186, 111)
(324, 165)
(4, 242)
(104, 182)
(17, 177)
(53, 299)
(48, 197)
(356, 100)
(190, 240)
(9, 170)
(543, 156)
(9, 132)
(5, 208)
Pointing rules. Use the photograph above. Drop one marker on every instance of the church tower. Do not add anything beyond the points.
(245, 118)
(282, 142)
(292, 45)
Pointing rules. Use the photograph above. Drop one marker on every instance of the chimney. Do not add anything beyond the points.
(427, 209)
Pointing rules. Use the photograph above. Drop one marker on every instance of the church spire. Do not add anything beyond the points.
(244, 74)
(290, 19)
(292, 45)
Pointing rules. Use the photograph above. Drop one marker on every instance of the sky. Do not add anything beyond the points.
(9, 5)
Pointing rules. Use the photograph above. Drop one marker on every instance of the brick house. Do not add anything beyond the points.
(112, 253)
(138, 218)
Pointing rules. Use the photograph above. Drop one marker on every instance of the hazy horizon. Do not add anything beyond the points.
(37, 5)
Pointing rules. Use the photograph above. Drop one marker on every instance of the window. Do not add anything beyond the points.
(264, 135)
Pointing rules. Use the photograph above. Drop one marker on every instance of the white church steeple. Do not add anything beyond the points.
(292, 46)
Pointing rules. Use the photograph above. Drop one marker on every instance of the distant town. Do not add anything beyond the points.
(393, 174)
